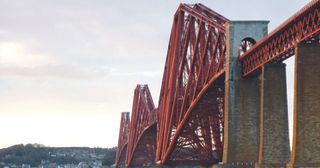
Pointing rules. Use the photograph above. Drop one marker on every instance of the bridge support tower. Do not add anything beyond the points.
(255, 108)
(242, 99)
(274, 148)
(306, 134)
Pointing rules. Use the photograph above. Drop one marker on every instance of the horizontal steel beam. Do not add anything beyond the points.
(280, 43)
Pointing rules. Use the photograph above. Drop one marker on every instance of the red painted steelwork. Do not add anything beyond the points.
(145, 152)
(123, 139)
(201, 140)
(143, 132)
(122, 158)
(189, 125)
(280, 43)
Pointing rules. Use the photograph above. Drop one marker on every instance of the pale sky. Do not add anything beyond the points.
(68, 68)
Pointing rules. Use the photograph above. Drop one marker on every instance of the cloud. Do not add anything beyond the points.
(18, 60)
(137, 73)
(17, 54)
(55, 71)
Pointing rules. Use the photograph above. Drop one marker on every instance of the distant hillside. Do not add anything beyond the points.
(37, 154)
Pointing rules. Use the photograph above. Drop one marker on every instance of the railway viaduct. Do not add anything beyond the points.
(223, 100)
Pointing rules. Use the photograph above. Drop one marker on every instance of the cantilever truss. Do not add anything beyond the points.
(143, 129)
(123, 140)
(191, 103)
(280, 44)
(191, 98)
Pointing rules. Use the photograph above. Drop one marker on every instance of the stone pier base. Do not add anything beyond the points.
(242, 99)
(306, 134)
(274, 130)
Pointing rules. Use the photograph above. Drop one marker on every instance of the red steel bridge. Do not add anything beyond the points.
(193, 122)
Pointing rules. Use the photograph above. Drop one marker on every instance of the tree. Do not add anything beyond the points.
(110, 157)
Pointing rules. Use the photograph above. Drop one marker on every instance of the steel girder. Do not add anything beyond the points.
(142, 137)
(145, 152)
(122, 157)
(190, 113)
(190, 116)
(280, 44)
(123, 139)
